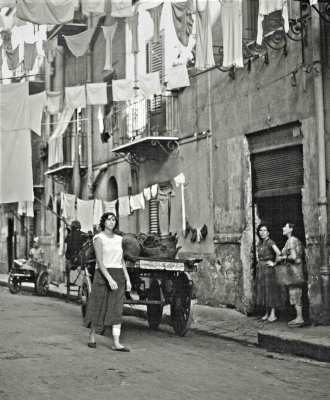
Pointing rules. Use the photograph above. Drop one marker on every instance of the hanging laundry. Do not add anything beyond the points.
(313, 2)
(37, 102)
(231, 21)
(30, 55)
(133, 23)
(155, 14)
(97, 212)
(124, 208)
(164, 209)
(54, 102)
(154, 190)
(78, 44)
(75, 96)
(55, 142)
(268, 6)
(7, 3)
(110, 206)
(183, 20)
(50, 49)
(177, 77)
(96, 93)
(180, 180)
(68, 207)
(150, 84)
(12, 58)
(95, 6)
(137, 202)
(147, 193)
(25, 208)
(15, 164)
(85, 214)
(122, 8)
(53, 12)
(14, 106)
(122, 89)
(204, 45)
(108, 32)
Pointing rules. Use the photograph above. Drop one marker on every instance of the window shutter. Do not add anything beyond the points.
(155, 56)
(277, 172)
(153, 216)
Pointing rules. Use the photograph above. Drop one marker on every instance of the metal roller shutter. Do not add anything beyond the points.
(277, 172)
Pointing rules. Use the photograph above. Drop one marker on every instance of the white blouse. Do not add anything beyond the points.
(112, 250)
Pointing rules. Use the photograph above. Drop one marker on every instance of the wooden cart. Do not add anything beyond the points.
(156, 283)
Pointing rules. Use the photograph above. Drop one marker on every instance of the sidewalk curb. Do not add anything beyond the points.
(285, 343)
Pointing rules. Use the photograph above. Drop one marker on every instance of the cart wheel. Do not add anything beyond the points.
(154, 311)
(181, 309)
(42, 285)
(14, 284)
(85, 292)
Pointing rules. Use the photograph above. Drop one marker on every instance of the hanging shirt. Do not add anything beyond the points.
(50, 49)
(110, 206)
(231, 21)
(124, 208)
(268, 6)
(147, 193)
(204, 45)
(12, 58)
(30, 55)
(53, 12)
(150, 84)
(177, 77)
(68, 207)
(183, 20)
(154, 190)
(96, 93)
(75, 96)
(78, 44)
(137, 202)
(133, 23)
(155, 14)
(25, 208)
(85, 214)
(54, 102)
(37, 102)
(122, 89)
(97, 212)
(108, 32)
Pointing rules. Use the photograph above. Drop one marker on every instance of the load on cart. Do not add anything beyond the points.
(157, 278)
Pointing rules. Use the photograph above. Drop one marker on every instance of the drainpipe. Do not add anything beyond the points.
(210, 147)
(89, 115)
(321, 146)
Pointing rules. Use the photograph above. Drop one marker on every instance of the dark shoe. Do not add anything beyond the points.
(123, 349)
(92, 345)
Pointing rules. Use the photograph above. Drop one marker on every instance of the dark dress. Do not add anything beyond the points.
(267, 290)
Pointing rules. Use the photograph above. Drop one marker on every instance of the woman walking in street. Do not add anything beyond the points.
(266, 288)
(105, 305)
(293, 252)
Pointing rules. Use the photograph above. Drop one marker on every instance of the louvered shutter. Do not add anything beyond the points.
(277, 172)
(153, 216)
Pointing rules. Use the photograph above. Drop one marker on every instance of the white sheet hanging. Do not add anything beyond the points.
(55, 142)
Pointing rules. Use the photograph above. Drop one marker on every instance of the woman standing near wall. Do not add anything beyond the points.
(266, 288)
(105, 305)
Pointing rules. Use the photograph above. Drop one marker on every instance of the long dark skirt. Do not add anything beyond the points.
(268, 293)
(105, 306)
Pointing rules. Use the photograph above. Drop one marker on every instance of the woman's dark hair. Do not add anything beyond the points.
(75, 225)
(291, 225)
(262, 225)
(104, 217)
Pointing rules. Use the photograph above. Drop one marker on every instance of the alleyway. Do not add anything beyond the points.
(44, 356)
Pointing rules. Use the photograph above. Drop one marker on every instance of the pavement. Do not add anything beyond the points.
(228, 324)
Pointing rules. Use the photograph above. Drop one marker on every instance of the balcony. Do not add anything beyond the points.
(145, 129)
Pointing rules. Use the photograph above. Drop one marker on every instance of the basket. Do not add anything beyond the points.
(160, 252)
(289, 274)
